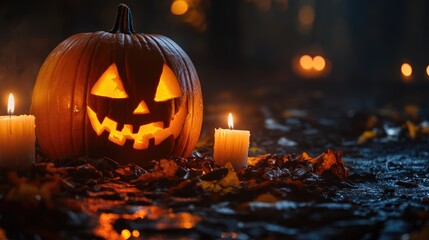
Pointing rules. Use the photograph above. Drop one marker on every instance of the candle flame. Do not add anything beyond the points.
(10, 104)
(230, 121)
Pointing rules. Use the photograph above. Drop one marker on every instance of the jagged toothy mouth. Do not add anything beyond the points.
(140, 136)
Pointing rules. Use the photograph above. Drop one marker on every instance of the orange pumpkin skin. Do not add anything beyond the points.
(63, 96)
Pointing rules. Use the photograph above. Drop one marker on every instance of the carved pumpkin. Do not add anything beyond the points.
(131, 97)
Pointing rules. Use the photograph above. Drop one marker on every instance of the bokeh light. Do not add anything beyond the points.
(306, 15)
(319, 63)
(179, 7)
(306, 62)
(136, 233)
(126, 234)
(427, 70)
(406, 69)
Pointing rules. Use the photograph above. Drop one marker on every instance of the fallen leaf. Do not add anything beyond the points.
(223, 186)
(304, 157)
(366, 135)
(412, 129)
(266, 198)
(255, 160)
(330, 162)
(164, 169)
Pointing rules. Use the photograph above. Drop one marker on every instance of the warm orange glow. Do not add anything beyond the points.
(106, 230)
(263, 5)
(126, 234)
(168, 87)
(427, 70)
(406, 69)
(319, 63)
(141, 108)
(136, 233)
(140, 136)
(109, 84)
(230, 121)
(306, 62)
(10, 104)
(311, 66)
(188, 220)
(306, 15)
(179, 7)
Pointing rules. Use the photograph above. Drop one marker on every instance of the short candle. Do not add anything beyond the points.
(231, 146)
(17, 139)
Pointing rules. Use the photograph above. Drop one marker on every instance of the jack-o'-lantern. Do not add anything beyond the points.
(127, 96)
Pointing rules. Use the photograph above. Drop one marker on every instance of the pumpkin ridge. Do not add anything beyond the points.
(85, 98)
(87, 123)
(153, 41)
(185, 83)
(118, 43)
(72, 99)
(192, 88)
(154, 38)
(133, 39)
(41, 85)
(127, 42)
(64, 55)
(66, 134)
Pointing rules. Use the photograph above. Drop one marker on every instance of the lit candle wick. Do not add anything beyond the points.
(10, 105)
(10, 109)
(230, 121)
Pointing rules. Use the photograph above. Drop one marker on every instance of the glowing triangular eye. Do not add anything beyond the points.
(109, 84)
(168, 87)
(141, 108)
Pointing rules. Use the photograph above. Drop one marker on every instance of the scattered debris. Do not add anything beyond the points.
(286, 142)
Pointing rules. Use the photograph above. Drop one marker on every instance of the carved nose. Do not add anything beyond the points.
(141, 108)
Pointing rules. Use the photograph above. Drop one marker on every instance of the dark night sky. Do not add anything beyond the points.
(365, 40)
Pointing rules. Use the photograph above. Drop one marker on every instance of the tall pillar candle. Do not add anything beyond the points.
(231, 146)
(17, 139)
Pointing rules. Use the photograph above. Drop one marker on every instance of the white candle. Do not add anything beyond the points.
(231, 146)
(17, 139)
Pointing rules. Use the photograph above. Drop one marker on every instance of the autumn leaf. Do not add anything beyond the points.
(266, 198)
(231, 179)
(224, 185)
(304, 157)
(328, 161)
(253, 161)
(164, 169)
(412, 129)
(366, 136)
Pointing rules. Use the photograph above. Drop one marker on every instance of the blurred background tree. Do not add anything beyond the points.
(234, 42)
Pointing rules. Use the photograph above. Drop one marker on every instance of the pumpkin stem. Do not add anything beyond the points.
(124, 20)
